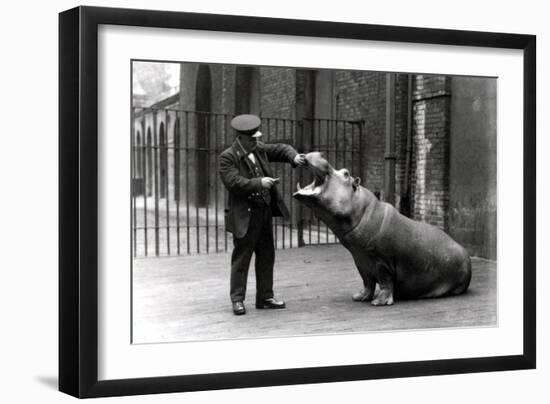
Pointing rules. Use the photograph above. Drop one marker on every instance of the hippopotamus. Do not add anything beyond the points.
(408, 259)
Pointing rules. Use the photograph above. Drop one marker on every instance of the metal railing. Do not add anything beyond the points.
(178, 199)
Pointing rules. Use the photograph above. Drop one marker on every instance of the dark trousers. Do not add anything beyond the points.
(258, 240)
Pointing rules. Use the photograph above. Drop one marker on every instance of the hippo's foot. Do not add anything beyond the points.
(365, 295)
(384, 298)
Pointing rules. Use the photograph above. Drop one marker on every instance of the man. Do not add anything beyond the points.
(253, 201)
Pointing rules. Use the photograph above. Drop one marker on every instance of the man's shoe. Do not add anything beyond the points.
(238, 308)
(270, 303)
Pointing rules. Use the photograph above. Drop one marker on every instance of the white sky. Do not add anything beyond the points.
(155, 80)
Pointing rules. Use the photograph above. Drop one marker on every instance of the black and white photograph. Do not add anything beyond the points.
(275, 202)
(289, 201)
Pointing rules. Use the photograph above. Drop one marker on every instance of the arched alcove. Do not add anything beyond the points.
(177, 159)
(163, 161)
(138, 173)
(247, 90)
(149, 163)
(203, 96)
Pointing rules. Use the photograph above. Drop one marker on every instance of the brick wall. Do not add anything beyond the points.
(430, 162)
(453, 189)
(362, 95)
(228, 89)
(350, 93)
(278, 92)
(401, 98)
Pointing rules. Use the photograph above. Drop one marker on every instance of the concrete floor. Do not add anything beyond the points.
(187, 298)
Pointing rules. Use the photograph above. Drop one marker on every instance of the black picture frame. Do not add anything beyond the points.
(78, 201)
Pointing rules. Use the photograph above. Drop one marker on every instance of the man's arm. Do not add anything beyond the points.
(233, 181)
(280, 152)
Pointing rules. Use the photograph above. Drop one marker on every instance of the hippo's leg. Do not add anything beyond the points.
(364, 264)
(367, 293)
(385, 280)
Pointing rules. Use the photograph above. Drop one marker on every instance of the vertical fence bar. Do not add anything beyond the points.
(225, 125)
(337, 152)
(197, 158)
(177, 179)
(298, 131)
(141, 163)
(291, 185)
(324, 148)
(308, 142)
(352, 153)
(216, 154)
(336, 145)
(207, 153)
(275, 221)
(329, 133)
(320, 145)
(360, 146)
(135, 151)
(167, 178)
(357, 149)
(287, 171)
(156, 182)
(282, 173)
(146, 169)
(188, 223)
(197, 116)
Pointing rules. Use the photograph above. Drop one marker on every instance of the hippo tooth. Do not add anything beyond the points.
(298, 186)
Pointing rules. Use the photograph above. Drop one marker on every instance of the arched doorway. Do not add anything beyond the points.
(163, 160)
(149, 163)
(247, 90)
(137, 157)
(177, 158)
(203, 108)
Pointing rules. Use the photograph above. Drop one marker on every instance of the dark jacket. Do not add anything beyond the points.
(237, 175)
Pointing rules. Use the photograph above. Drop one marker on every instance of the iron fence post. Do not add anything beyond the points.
(300, 210)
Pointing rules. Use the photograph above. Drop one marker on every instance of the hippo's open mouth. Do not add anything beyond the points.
(320, 168)
(312, 189)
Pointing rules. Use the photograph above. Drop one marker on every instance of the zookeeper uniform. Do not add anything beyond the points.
(250, 210)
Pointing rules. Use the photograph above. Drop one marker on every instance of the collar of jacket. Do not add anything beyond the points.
(241, 153)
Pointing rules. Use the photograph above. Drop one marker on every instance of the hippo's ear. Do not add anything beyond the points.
(356, 182)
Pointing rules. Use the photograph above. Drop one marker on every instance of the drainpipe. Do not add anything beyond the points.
(389, 155)
(406, 198)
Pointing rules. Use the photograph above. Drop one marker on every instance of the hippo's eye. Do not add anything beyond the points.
(346, 173)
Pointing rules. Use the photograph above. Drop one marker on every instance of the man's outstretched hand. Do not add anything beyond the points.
(300, 160)
(268, 182)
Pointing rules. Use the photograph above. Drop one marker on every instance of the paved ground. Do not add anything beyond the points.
(187, 298)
